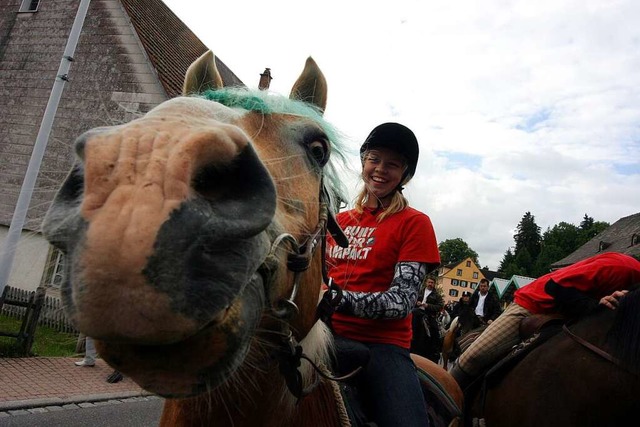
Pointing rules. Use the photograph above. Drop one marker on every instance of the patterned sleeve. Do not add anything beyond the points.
(397, 302)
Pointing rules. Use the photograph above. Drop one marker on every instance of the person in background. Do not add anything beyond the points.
(392, 249)
(89, 360)
(426, 339)
(463, 303)
(486, 305)
(572, 291)
(90, 354)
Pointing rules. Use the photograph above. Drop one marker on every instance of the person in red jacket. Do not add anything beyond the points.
(572, 291)
(392, 248)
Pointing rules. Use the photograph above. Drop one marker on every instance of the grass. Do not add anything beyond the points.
(47, 342)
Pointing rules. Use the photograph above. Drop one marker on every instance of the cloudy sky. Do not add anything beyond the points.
(518, 105)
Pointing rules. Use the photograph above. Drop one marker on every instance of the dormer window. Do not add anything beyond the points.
(29, 6)
(635, 239)
(603, 245)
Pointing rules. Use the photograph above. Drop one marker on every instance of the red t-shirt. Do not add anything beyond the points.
(368, 265)
(597, 277)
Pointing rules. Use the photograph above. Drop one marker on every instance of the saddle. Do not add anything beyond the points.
(532, 324)
(534, 330)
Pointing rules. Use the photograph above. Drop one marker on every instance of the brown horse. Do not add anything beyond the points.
(191, 239)
(587, 373)
(462, 331)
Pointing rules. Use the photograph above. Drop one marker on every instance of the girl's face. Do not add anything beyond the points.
(382, 171)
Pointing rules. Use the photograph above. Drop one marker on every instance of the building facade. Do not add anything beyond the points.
(454, 279)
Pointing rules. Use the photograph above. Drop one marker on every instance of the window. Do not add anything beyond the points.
(55, 269)
(459, 272)
(475, 274)
(603, 245)
(453, 292)
(463, 283)
(468, 263)
(454, 282)
(474, 285)
(635, 239)
(29, 6)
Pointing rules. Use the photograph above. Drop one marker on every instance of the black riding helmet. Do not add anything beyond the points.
(398, 138)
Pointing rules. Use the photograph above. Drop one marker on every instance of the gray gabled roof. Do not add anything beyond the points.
(617, 237)
(170, 44)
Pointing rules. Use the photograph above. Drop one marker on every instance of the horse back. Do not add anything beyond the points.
(561, 381)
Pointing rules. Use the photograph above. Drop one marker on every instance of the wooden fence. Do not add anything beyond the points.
(51, 313)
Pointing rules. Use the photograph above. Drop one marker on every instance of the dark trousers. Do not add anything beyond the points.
(390, 388)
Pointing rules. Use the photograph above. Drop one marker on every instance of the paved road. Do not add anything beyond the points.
(134, 412)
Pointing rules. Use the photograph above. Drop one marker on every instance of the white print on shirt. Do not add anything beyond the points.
(360, 243)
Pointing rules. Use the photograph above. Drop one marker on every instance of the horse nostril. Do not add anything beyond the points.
(209, 183)
(220, 317)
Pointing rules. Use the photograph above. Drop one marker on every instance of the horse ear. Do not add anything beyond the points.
(311, 86)
(201, 75)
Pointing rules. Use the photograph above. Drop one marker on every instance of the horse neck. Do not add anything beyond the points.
(321, 408)
(260, 397)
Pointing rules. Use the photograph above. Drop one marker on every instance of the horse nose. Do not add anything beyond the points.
(223, 168)
(199, 203)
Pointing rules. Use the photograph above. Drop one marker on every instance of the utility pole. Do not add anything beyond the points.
(19, 214)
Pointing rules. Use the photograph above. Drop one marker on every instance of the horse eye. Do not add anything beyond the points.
(319, 149)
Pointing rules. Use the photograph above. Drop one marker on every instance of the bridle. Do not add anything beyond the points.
(597, 350)
(289, 353)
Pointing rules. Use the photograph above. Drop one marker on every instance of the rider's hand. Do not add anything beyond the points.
(612, 301)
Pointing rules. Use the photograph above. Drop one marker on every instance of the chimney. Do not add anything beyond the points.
(265, 79)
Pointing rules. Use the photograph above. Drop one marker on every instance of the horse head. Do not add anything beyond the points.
(180, 229)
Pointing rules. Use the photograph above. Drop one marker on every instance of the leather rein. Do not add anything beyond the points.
(597, 350)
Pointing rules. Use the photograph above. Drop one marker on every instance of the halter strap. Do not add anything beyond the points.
(289, 352)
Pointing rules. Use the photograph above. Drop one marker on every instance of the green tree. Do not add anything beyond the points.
(525, 263)
(548, 255)
(509, 266)
(564, 236)
(587, 222)
(507, 259)
(590, 228)
(557, 243)
(455, 250)
(528, 237)
(533, 254)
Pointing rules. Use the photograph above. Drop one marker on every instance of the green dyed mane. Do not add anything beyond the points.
(268, 103)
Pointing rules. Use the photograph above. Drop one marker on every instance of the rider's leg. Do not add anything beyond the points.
(499, 337)
(391, 388)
